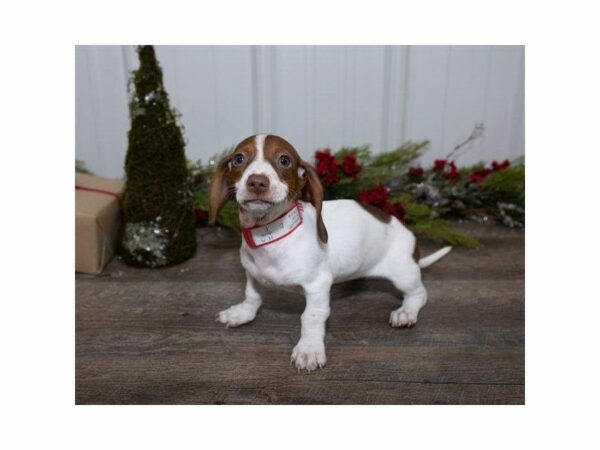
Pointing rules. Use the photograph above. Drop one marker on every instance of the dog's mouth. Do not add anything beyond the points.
(258, 201)
(256, 205)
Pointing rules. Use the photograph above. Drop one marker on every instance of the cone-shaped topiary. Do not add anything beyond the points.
(157, 202)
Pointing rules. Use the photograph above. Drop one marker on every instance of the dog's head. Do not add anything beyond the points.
(261, 173)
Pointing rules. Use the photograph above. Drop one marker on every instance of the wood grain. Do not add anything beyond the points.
(149, 337)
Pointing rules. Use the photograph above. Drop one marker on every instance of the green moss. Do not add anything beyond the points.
(157, 201)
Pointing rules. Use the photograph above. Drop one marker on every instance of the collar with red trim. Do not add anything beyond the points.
(281, 227)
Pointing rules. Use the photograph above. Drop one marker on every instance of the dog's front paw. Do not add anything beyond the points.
(236, 315)
(309, 354)
(403, 318)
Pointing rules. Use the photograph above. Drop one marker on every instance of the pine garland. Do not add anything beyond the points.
(424, 199)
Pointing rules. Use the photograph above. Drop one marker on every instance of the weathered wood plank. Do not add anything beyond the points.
(168, 391)
(149, 336)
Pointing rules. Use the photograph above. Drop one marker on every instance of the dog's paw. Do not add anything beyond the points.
(236, 315)
(403, 318)
(309, 355)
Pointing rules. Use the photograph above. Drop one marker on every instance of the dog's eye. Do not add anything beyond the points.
(285, 161)
(238, 159)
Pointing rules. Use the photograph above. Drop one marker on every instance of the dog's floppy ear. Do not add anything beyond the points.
(312, 192)
(219, 191)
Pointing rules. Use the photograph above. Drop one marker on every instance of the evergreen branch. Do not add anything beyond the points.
(439, 230)
(362, 153)
(400, 157)
(228, 216)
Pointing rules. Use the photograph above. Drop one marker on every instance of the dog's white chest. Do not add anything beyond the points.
(269, 269)
(266, 274)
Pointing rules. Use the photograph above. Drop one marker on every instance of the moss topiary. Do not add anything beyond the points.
(158, 206)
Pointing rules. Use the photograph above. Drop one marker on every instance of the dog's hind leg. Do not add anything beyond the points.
(407, 278)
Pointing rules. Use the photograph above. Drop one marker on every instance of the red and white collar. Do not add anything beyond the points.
(274, 231)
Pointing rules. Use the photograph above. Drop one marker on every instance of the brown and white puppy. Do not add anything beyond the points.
(291, 237)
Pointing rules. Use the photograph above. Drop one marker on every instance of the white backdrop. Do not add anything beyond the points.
(315, 96)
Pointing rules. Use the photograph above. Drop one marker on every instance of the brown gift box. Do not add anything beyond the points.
(97, 221)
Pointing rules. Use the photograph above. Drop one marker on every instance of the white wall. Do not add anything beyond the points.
(315, 96)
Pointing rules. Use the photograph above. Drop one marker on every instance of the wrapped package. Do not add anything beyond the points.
(98, 214)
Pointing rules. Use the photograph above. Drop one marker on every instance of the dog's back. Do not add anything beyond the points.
(360, 239)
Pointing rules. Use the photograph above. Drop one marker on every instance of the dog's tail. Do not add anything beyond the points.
(434, 257)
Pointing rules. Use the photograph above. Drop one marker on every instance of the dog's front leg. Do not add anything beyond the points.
(309, 353)
(245, 311)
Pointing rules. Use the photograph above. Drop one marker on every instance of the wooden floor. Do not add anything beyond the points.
(149, 336)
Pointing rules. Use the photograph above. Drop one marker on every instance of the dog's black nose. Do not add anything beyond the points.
(257, 184)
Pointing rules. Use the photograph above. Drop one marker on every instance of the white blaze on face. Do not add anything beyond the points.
(259, 142)
(260, 166)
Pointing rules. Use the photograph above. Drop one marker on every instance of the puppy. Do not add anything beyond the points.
(291, 237)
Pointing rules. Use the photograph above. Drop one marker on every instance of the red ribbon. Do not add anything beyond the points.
(100, 191)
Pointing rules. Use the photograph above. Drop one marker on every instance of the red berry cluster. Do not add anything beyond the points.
(446, 169)
(496, 166)
(327, 167)
(479, 175)
(330, 170)
(416, 173)
(379, 197)
(439, 165)
(350, 166)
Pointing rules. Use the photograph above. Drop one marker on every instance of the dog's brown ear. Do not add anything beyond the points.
(312, 192)
(219, 191)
